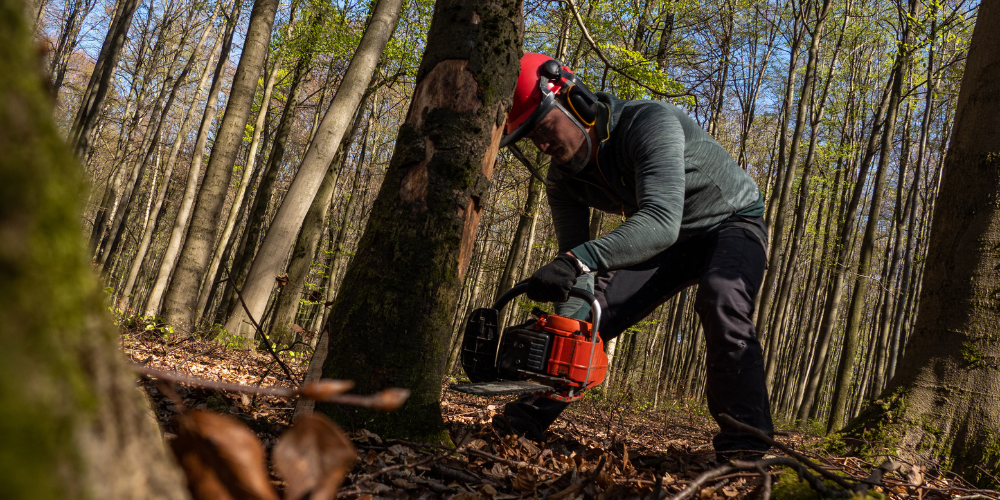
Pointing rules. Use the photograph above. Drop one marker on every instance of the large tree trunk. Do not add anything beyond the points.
(287, 222)
(181, 300)
(943, 400)
(393, 329)
(74, 424)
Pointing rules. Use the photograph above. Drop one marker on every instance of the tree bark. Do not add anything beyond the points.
(420, 234)
(74, 423)
(286, 224)
(942, 400)
(181, 300)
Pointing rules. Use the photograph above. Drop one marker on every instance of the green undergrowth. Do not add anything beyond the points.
(790, 487)
(876, 431)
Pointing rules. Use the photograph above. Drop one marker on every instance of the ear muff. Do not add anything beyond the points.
(583, 103)
(581, 100)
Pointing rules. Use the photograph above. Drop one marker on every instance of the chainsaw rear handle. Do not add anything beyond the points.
(580, 293)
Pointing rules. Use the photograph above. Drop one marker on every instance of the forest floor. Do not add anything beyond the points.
(601, 448)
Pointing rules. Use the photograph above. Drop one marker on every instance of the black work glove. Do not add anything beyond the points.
(553, 281)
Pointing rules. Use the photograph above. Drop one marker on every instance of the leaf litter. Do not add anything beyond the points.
(599, 449)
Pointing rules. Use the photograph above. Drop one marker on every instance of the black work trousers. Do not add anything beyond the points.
(728, 265)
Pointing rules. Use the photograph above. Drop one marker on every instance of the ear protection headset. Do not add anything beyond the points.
(582, 102)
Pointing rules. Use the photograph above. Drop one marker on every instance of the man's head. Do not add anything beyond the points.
(555, 110)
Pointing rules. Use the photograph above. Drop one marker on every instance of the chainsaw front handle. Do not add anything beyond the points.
(580, 293)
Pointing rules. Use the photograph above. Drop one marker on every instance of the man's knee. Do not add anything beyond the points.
(723, 295)
(725, 307)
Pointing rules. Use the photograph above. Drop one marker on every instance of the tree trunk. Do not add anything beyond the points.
(312, 228)
(179, 231)
(74, 423)
(100, 80)
(515, 256)
(286, 224)
(161, 194)
(942, 400)
(854, 316)
(420, 234)
(181, 300)
(256, 220)
(248, 174)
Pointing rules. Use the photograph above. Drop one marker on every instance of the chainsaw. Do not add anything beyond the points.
(550, 355)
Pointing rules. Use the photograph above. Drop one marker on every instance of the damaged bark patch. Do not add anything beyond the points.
(449, 85)
(472, 212)
(413, 188)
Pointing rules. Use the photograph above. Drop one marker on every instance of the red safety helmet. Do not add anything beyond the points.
(542, 78)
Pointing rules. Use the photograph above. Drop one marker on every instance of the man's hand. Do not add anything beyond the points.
(553, 281)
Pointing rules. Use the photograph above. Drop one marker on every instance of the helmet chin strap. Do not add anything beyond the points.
(576, 164)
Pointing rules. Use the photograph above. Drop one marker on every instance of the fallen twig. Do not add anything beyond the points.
(325, 390)
(356, 484)
(840, 480)
(267, 343)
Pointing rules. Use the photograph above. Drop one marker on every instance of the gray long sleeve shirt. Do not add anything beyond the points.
(659, 169)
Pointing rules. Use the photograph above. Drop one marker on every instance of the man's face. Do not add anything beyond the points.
(557, 136)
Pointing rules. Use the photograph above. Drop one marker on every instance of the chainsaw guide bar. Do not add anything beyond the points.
(501, 388)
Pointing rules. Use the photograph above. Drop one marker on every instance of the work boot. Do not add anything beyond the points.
(528, 416)
(506, 425)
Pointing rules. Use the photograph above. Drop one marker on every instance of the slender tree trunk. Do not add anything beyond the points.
(287, 222)
(100, 79)
(312, 228)
(262, 198)
(181, 299)
(161, 194)
(179, 231)
(851, 329)
(842, 251)
(515, 256)
(248, 174)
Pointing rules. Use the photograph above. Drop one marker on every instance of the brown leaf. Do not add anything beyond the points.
(298, 328)
(916, 475)
(390, 399)
(525, 480)
(313, 457)
(324, 389)
(282, 280)
(221, 458)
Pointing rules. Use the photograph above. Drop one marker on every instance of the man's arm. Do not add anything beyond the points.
(655, 145)
(571, 220)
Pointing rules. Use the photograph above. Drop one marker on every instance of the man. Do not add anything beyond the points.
(691, 215)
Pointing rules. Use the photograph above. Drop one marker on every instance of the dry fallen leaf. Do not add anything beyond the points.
(916, 475)
(525, 480)
(323, 389)
(313, 457)
(221, 458)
